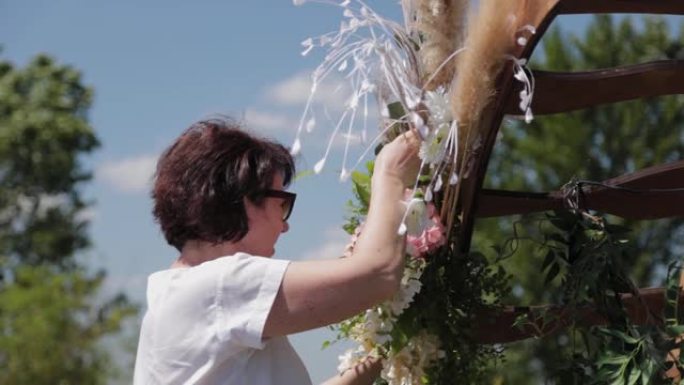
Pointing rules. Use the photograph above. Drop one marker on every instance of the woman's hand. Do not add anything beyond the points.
(399, 159)
(364, 373)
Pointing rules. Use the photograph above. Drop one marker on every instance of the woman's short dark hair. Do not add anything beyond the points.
(204, 175)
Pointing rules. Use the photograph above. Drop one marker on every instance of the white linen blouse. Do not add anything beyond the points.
(204, 326)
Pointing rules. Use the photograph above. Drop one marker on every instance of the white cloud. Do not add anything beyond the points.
(332, 247)
(269, 122)
(44, 203)
(294, 91)
(290, 96)
(130, 175)
(40, 206)
(88, 214)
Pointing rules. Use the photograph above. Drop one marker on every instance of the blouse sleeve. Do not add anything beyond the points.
(246, 291)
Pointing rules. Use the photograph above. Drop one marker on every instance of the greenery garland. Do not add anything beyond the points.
(454, 287)
(583, 252)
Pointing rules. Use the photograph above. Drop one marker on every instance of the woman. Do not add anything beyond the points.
(221, 313)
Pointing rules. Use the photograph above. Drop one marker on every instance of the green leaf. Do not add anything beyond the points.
(612, 360)
(370, 167)
(620, 335)
(361, 178)
(672, 293)
(399, 339)
(550, 256)
(362, 186)
(396, 110)
(553, 272)
(520, 321)
(303, 174)
(633, 376)
(675, 330)
(647, 371)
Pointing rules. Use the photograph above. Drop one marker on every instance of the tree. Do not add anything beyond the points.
(50, 320)
(594, 144)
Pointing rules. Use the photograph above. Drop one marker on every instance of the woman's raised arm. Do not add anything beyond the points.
(319, 293)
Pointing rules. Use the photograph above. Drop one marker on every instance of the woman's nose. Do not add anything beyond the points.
(286, 226)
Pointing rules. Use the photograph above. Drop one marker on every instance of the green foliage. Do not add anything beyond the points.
(584, 253)
(51, 328)
(619, 353)
(593, 144)
(52, 321)
(43, 132)
(454, 288)
(358, 207)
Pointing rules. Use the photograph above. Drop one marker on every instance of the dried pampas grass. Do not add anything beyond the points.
(441, 26)
(491, 36)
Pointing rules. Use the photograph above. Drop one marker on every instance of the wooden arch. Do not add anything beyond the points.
(558, 92)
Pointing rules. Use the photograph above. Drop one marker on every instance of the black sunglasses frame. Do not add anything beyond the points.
(289, 196)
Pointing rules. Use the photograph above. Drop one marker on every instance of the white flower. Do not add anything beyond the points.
(438, 103)
(374, 329)
(407, 367)
(437, 143)
(350, 358)
(416, 217)
(434, 147)
(404, 296)
(409, 287)
(346, 361)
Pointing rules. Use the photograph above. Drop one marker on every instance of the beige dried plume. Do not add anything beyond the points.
(441, 25)
(490, 37)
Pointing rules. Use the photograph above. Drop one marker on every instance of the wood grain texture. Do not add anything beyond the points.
(496, 327)
(671, 7)
(640, 195)
(557, 92)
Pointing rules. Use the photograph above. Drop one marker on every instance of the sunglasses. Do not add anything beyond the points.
(287, 197)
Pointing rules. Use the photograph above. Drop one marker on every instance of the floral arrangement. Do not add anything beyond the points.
(373, 329)
(434, 72)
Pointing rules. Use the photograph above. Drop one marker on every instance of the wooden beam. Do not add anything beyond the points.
(640, 195)
(497, 327)
(629, 205)
(663, 176)
(668, 7)
(500, 203)
(557, 92)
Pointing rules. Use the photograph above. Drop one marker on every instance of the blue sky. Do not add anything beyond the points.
(156, 67)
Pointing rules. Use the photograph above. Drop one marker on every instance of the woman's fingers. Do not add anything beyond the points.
(400, 157)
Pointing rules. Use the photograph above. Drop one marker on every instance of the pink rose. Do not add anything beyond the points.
(416, 246)
(431, 211)
(435, 236)
(431, 233)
